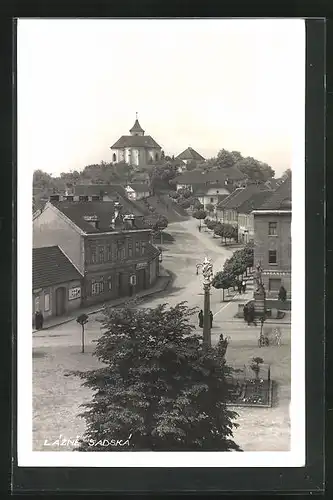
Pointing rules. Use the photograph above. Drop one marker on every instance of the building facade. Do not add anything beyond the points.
(272, 237)
(136, 149)
(111, 249)
(57, 284)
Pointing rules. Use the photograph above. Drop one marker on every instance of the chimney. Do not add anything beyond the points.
(93, 220)
(130, 219)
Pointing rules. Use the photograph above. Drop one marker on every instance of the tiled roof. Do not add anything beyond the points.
(238, 197)
(254, 202)
(140, 187)
(103, 210)
(190, 154)
(280, 199)
(50, 266)
(135, 141)
(137, 127)
(202, 189)
(213, 176)
(95, 189)
(152, 251)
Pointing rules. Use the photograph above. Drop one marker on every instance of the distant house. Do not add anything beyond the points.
(246, 218)
(137, 191)
(108, 243)
(137, 148)
(272, 231)
(210, 194)
(227, 177)
(56, 283)
(228, 209)
(190, 155)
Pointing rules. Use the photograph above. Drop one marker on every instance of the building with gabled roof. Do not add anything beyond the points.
(56, 282)
(272, 236)
(190, 155)
(137, 148)
(108, 244)
(229, 177)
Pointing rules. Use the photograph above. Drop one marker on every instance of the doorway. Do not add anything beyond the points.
(60, 301)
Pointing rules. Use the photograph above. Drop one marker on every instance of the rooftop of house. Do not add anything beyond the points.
(212, 176)
(116, 192)
(139, 187)
(85, 213)
(137, 127)
(203, 189)
(136, 141)
(239, 196)
(254, 202)
(280, 199)
(50, 266)
(190, 154)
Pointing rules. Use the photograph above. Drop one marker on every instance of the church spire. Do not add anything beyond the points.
(137, 129)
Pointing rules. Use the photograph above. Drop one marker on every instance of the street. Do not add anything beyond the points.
(56, 398)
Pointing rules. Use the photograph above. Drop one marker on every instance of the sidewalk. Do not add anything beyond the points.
(161, 284)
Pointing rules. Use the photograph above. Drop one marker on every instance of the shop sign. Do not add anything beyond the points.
(74, 293)
(142, 265)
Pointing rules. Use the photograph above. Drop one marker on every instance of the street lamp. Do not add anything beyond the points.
(207, 272)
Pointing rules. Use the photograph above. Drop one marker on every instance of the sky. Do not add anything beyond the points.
(237, 84)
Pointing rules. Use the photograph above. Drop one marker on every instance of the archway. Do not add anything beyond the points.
(60, 301)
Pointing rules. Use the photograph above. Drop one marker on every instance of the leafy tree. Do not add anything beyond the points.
(186, 193)
(225, 159)
(237, 156)
(184, 203)
(174, 195)
(223, 280)
(210, 208)
(255, 169)
(200, 215)
(158, 385)
(287, 172)
(255, 366)
(82, 320)
(197, 204)
(211, 224)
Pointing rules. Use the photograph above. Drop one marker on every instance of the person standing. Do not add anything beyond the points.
(239, 286)
(211, 318)
(246, 313)
(200, 316)
(41, 320)
(282, 294)
(243, 286)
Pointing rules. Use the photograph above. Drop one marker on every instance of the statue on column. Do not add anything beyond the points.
(207, 271)
(258, 278)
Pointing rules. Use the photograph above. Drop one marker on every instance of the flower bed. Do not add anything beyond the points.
(251, 392)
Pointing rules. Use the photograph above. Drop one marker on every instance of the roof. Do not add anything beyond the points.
(280, 199)
(50, 266)
(190, 154)
(254, 202)
(135, 141)
(95, 189)
(103, 210)
(238, 197)
(204, 188)
(137, 127)
(213, 176)
(139, 187)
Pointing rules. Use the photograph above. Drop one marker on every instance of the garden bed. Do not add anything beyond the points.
(252, 393)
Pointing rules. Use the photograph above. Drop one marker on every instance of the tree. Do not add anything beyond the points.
(82, 320)
(200, 215)
(174, 195)
(225, 159)
(159, 388)
(255, 170)
(287, 173)
(223, 280)
(197, 204)
(210, 208)
(237, 156)
(255, 366)
(184, 203)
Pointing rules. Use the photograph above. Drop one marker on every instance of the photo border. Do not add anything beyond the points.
(309, 478)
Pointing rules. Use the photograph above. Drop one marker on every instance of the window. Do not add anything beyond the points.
(93, 255)
(121, 253)
(97, 286)
(101, 254)
(272, 228)
(114, 157)
(47, 302)
(212, 200)
(143, 247)
(130, 249)
(137, 247)
(109, 283)
(272, 257)
(108, 252)
(274, 284)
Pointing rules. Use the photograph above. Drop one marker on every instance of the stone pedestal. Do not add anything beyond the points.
(260, 302)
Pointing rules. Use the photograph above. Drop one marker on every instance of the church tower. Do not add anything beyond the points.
(137, 129)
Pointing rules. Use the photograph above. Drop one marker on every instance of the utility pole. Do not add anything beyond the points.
(207, 272)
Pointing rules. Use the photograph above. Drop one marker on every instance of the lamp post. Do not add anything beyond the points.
(207, 272)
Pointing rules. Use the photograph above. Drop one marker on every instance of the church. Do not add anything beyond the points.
(137, 148)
